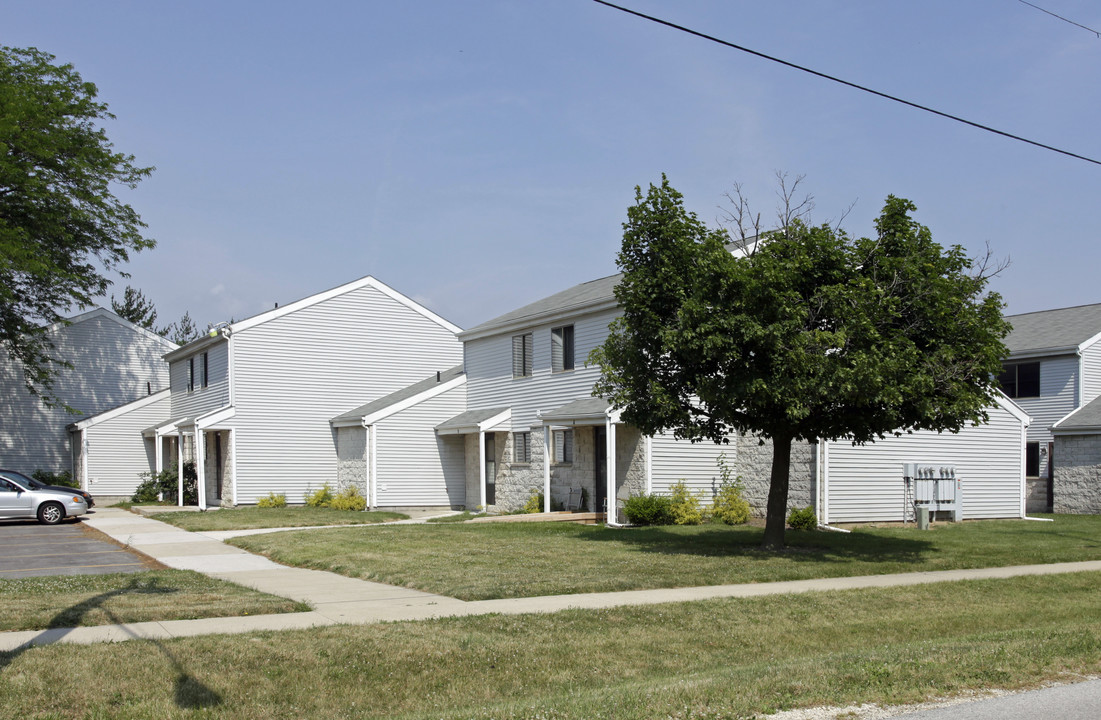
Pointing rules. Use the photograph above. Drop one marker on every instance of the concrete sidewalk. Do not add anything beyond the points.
(340, 600)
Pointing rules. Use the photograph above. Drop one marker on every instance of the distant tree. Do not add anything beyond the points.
(812, 336)
(181, 332)
(135, 308)
(61, 227)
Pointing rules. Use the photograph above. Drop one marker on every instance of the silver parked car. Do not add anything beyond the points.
(49, 504)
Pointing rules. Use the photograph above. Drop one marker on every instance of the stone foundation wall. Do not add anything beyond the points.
(210, 469)
(1077, 481)
(754, 465)
(473, 473)
(351, 459)
(515, 481)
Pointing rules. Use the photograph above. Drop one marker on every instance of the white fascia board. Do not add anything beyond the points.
(492, 422)
(579, 421)
(194, 347)
(336, 292)
(1076, 431)
(105, 313)
(215, 417)
(414, 400)
(549, 318)
(1012, 408)
(1085, 344)
(1042, 353)
(120, 410)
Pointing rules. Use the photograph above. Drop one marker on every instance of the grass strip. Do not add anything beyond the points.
(710, 659)
(249, 518)
(61, 601)
(501, 560)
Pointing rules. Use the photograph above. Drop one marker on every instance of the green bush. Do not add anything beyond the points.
(534, 503)
(648, 510)
(804, 519)
(165, 483)
(63, 478)
(685, 505)
(730, 506)
(322, 497)
(349, 499)
(272, 501)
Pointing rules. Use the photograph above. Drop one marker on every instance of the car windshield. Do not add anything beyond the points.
(22, 479)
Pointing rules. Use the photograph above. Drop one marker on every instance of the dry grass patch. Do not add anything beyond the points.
(498, 560)
(249, 518)
(61, 601)
(719, 658)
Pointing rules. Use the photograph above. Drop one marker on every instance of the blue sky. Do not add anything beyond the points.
(479, 155)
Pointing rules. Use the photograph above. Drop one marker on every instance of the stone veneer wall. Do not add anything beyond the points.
(473, 476)
(1077, 481)
(581, 473)
(210, 469)
(754, 465)
(351, 459)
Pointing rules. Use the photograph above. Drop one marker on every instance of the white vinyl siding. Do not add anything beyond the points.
(490, 381)
(1091, 377)
(296, 371)
(1058, 397)
(864, 483)
(113, 363)
(672, 460)
(190, 398)
(116, 452)
(415, 466)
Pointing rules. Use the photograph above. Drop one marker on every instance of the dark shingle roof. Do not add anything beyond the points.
(470, 418)
(1088, 417)
(1061, 328)
(404, 394)
(594, 292)
(582, 407)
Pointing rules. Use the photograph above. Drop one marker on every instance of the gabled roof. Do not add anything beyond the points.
(1086, 419)
(306, 302)
(588, 296)
(412, 393)
(1063, 330)
(471, 420)
(119, 410)
(589, 407)
(108, 315)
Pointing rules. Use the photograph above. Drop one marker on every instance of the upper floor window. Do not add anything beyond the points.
(1020, 380)
(190, 374)
(521, 355)
(204, 375)
(562, 348)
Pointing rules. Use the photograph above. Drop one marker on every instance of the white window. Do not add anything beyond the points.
(521, 355)
(563, 446)
(562, 348)
(521, 447)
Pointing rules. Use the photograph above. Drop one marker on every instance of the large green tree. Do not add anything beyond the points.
(811, 335)
(62, 230)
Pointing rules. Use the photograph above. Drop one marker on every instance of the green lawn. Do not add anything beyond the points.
(74, 600)
(495, 560)
(248, 518)
(719, 658)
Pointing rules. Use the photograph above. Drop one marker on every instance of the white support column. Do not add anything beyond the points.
(158, 453)
(179, 468)
(546, 468)
(610, 469)
(374, 465)
(200, 467)
(482, 469)
(649, 464)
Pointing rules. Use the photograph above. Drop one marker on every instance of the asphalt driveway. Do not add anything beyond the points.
(28, 549)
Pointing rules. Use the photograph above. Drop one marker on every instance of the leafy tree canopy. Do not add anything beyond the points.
(808, 334)
(61, 226)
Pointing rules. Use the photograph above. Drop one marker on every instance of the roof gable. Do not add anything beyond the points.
(108, 315)
(1059, 330)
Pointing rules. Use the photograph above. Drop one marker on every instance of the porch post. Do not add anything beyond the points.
(546, 468)
(610, 515)
(158, 453)
(179, 467)
(200, 466)
(482, 469)
(374, 466)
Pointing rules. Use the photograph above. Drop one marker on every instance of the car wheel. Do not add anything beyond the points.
(51, 513)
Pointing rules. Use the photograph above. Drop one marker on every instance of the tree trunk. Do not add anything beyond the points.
(776, 513)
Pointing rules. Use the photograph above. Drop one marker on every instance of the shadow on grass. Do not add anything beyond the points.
(802, 546)
(189, 692)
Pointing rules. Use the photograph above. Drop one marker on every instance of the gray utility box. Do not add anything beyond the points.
(933, 486)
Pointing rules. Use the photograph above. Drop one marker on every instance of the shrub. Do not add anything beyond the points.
(165, 483)
(730, 505)
(648, 510)
(534, 503)
(804, 519)
(685, 505)
(349, 499)
(63, 478)
(272, 501)
(321, 497)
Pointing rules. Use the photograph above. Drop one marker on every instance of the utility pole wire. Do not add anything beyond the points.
(713, 39)
(1095, 32)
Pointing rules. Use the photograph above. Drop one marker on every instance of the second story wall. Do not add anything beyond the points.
(191, 396)
(1091, 373)
(1058, 395)
(489, 369)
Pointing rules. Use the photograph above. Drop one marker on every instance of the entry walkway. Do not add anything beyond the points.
(338, 600)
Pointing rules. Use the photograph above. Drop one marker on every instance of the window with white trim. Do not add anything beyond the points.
(521, 355)
(521, 447)
(562, 348)
(563, 446)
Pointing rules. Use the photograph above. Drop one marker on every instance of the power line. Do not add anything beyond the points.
(1095, 32)
(713, 39)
